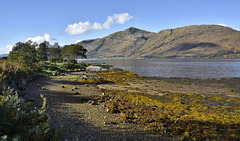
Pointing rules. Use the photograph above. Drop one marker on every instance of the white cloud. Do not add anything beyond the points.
(222, 25)
(6, 50)
(9, 48)
(78, 28)
(78, 41)
(39, 39)
(85, 27)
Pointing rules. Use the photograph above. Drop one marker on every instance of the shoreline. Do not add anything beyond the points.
(145, 105)
(181, 68)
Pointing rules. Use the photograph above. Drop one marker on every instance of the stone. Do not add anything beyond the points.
(77, 93)
(78, 123)
(38, 85)
(43, 88)
(91, 102)
(63, 86)
(95, 69)
(24, 82)
(183, 138)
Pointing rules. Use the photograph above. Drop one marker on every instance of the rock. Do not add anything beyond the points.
(95, 69)
(151, 120)
(78, 123)
(77, 93)
(72, 90)
(183, 138)
(43, 88)
(63, 86)
(38, 85)
(75, 88)
(24, 82)
(91, 102)
(55, 73)
(105, 122)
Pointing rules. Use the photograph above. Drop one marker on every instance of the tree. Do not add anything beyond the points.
(74, 51)
(55, 51)
(42, 51)
(24, 53)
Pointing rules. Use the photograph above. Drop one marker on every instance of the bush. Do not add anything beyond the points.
(52, 67)
(68, 65)
(12, 68)
(56, 60)
(18, 123)
(43, 65)
(72, 61)
(81, 66)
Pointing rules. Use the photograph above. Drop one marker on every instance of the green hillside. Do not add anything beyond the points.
(196, 41)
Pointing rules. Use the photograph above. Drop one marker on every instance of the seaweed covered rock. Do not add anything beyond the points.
(101, 68)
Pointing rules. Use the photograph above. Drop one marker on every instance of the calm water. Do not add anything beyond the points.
(202, 68)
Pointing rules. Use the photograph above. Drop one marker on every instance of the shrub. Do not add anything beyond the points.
(43, 65)
(55, 60)
(82, 66)
(52, 67)
(68, 65)
(72, 61)
(12, 68)
(18, 123)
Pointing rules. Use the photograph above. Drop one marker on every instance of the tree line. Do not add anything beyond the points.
(29, 52)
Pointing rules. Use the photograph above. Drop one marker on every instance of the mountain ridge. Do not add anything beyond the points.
(194, 41)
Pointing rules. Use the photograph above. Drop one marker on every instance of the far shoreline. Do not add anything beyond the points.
(180, 68)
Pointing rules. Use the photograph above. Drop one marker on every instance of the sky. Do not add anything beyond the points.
(69, 21)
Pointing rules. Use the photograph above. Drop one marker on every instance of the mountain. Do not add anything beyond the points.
(195, 41)
(3, 55)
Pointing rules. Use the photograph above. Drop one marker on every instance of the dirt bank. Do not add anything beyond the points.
(72, 106)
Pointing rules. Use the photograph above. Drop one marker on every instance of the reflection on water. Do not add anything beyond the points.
(202, 68)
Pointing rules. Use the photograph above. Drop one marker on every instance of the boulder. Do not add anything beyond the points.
(96, 69)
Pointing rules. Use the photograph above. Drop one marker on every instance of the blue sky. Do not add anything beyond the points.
(68, 21)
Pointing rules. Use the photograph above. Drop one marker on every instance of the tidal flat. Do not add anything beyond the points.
(92, 105)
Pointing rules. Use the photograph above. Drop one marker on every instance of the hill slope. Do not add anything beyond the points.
(196, 41)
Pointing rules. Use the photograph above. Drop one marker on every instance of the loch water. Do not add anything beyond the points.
(183, 68)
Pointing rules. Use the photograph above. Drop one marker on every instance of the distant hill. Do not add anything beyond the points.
(3, 55)
(195, 41)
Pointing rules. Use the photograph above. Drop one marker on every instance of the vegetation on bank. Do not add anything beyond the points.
(18, 121)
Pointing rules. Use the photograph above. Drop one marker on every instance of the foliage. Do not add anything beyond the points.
(55, 60)
(41, 54)
(24, 53)
(42, 65)
(81, 65)
(68, 65)
(50, 68)
(55, 51)
(19, 123)
(74, 51)
(12, 68)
